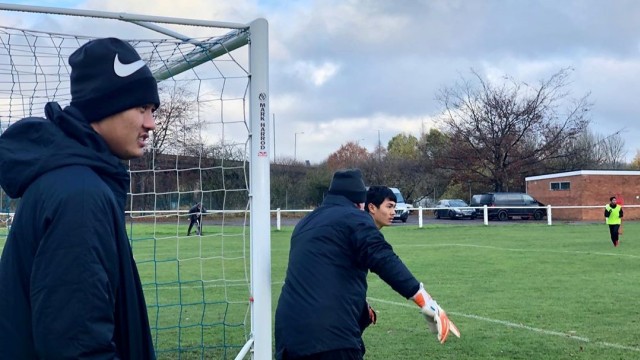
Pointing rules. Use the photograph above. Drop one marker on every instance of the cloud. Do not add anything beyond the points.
(317, 74)
(330, 135)
(358, 66)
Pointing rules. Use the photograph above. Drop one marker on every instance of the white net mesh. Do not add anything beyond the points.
(197, 286)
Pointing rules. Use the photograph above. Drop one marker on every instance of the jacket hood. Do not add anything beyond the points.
(34, 146)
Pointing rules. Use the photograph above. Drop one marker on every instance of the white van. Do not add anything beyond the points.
(402, 209)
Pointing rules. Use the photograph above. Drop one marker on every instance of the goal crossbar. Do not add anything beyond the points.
(229, 42)
(120, 16)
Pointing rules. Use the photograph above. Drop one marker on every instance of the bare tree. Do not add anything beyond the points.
(635, 163)
(590, 151)
(176, 126)
(581, 152)
(498, 132)
(612, 147)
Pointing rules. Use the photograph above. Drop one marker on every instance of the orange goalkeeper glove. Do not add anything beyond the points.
(436, 317)
(372, 315)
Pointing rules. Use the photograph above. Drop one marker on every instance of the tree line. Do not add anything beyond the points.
(489, 137)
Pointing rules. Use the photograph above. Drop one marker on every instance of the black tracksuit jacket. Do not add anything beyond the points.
(324, 293)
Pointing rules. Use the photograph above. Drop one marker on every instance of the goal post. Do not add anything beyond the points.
(212, 148)
(260, 188)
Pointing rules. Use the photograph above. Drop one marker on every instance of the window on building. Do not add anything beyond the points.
(561, 185)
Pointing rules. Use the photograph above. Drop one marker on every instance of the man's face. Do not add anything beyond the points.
(614, 201)
(126, 132)
(383, 215)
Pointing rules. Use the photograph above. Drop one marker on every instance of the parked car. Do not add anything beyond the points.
(402, 209)
(453, 209)
(505, 205)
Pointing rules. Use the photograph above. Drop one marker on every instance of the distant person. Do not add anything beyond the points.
(195, 218)
(69, 286)
(323, 298)
(613, 214)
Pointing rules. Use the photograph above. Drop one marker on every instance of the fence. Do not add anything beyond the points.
(291, 216)
(427, 212)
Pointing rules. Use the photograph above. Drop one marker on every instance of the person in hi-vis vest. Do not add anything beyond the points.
(613, 214)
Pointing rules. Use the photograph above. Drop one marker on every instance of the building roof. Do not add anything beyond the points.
(583, 172)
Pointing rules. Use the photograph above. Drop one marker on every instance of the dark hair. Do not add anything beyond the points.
(611, 198)
(376, 195)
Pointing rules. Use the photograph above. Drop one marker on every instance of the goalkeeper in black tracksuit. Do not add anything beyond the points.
(322, 308)
(195, 218)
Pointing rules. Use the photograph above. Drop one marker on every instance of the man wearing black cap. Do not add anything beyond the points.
(195, 218)
(69, 286)
(323, 300)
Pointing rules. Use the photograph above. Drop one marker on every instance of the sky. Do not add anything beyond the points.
(367, 70)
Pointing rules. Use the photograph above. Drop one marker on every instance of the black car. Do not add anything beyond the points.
(453, 209)
(503, 206)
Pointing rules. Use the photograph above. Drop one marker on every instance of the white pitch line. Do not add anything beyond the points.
(520, 326)
(520, 250)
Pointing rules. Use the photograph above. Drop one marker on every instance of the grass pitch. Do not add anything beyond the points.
(517, 291)
(524, 291)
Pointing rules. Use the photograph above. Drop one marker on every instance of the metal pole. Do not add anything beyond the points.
(260, 249)
(278, 219)
(295, 145)
(119, 16)
(379, 146)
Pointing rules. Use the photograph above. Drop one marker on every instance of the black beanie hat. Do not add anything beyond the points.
(107, 77)
(349, 184)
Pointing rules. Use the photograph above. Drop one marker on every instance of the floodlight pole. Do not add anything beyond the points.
(295, 145)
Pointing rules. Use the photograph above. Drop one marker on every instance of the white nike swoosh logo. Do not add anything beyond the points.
(124, 70)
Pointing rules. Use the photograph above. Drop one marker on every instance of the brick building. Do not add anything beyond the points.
(586, 188)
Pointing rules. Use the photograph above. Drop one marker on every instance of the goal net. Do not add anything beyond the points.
(207, 292)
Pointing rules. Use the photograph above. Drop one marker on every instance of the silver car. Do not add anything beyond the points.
(453, 209)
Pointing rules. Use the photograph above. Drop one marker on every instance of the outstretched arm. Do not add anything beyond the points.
(382, 260)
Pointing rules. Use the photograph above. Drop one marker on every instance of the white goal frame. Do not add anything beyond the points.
(254, 35)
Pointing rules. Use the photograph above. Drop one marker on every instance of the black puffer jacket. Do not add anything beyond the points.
(69, 287)
(324, 294)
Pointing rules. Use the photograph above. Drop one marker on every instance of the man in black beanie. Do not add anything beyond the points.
(322, 309)
(69, 286)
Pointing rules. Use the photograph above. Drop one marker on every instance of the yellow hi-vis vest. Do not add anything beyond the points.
(614, 215)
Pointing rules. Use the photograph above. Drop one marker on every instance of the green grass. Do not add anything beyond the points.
(526, 291)
(521, 291)
(196, 289)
